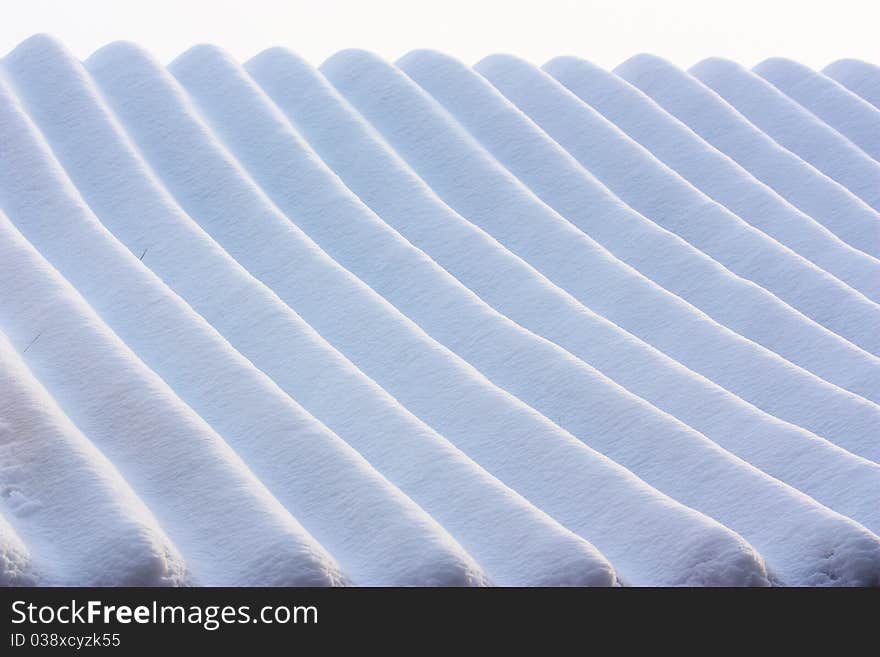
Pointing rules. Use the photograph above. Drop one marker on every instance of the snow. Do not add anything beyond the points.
(539, 373)
(853, 117)
(715, 174)
(862, 78)
(393, 325)
(345, 141)
(628, 170)
(650, 445)
(793, 127)
(15, 560)
(315, 475)
(441, 389)
(79, 517)
(711, 117)
(193, 482)
(278, 341)
(485, 193)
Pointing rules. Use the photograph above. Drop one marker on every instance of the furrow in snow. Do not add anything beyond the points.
(549, 467)
(346, 142)
(481, 190)
(711, 117)
(82, 523)
(660, 194)
(378, 534)
(792, 126)
(228, 528)
(541, 374)
(852, 116)
(859, 77)
(715, 173)
(514, 543)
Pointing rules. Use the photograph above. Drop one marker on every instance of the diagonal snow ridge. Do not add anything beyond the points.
(425, 324)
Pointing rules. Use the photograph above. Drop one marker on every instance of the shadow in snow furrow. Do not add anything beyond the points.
(345, 142)
(715, 173)
(581, 400)
(83, 524)
(792, 126)
(514, 543)
(711, 117)
(377, 533)
(663, 196)
(583, 491)
(846, 112)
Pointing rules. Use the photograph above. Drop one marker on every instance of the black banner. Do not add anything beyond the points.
(104, 620)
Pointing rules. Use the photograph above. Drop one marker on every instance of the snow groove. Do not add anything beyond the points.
(424, 324)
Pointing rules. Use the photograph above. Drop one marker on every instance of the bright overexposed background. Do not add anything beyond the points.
(604, 31)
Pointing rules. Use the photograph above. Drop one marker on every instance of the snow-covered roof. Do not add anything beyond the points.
(422, 324)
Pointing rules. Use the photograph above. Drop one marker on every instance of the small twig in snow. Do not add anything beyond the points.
(32, 341)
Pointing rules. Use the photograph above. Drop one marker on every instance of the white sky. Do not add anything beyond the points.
(604, 31)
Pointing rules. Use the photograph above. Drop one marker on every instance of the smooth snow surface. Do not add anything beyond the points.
(862, 78)
(852, 116)
(425, 324)
(724, 127)
(793, 127)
